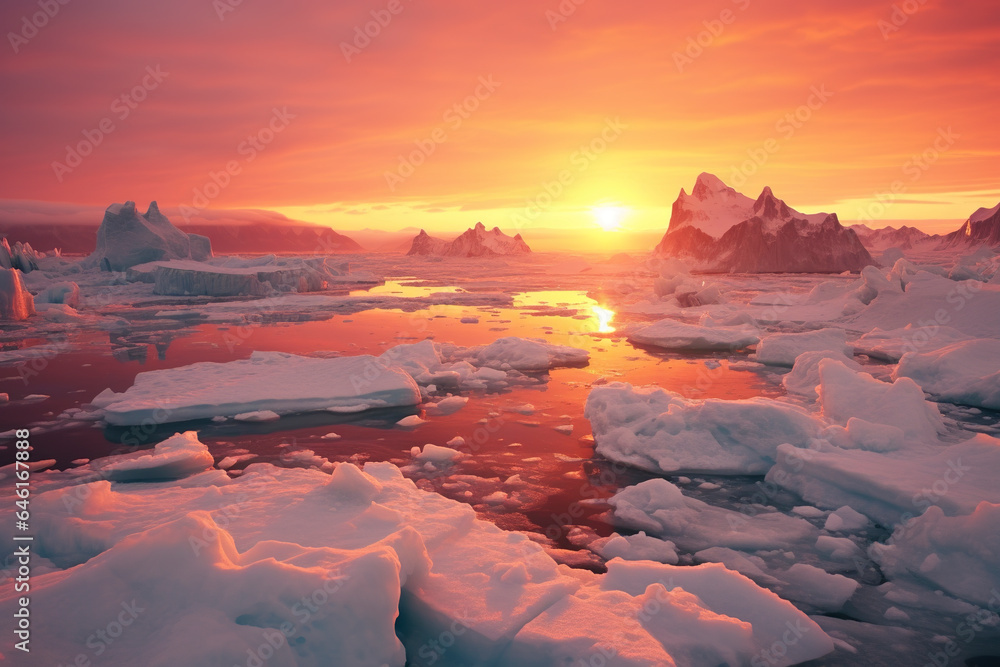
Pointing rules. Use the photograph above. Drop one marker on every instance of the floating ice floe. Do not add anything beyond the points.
(966, 372)
(928, 300)
(782, 349)
(890, 345)
(234, 276)
(674, 335)
(178, 456)
(492, 366)
(846, 394)
(893, 486)
(267, 381)
(661, 509)
(382, 567)
(660, 431)
(803, 379)
(958, 554)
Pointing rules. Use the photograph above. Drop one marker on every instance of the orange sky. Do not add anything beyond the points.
(887, 93)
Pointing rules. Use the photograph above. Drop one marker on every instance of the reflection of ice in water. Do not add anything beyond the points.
(604, 319)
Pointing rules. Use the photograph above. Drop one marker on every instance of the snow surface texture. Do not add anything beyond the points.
(292, 566)
(16, 302)
(660, 431)
(474, 242)
(967, 372)
(276, 381)
(720, 229)
(126, 238)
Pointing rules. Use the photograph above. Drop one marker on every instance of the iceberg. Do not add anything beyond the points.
(16, 302)
(474, 242)
(127, 238)
(719, 229)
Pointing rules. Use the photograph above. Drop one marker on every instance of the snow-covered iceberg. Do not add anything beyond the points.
(719, 229)
(276, 381)
(982, 228)
(22, 256)
(474, 242)
(127, 237)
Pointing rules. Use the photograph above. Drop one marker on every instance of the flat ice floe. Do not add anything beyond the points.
(276, 381)
(782, 349)
(895, 486)
(298, 565)
(890, 345)
(673, 335)
(958, 554)
(660, 508)
(494, 366)
(178, 456)
(966, 372)
(660, 431)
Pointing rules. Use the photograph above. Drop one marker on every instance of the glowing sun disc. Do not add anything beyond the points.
(609, 218)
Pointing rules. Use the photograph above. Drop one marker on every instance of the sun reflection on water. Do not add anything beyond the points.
(604, 319)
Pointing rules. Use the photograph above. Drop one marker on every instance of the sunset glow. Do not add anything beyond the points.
(610, 218)
(452, 111)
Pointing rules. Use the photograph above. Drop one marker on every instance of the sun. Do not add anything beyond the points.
(609, 217)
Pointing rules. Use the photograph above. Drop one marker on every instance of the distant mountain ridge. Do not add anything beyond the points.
(78, 239)
(903, 237)
(719, 229)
